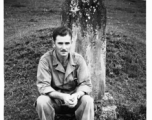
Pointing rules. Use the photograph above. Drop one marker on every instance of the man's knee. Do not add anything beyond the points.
(43, 100)
(87, 100)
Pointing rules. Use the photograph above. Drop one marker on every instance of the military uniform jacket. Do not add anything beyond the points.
(51, 75)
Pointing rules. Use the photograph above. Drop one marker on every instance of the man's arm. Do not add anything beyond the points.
(84, 81)
(67, 98)
(78, 94)
(44, 77)
(56, 94)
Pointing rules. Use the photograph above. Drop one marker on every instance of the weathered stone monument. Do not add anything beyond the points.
(87, 19)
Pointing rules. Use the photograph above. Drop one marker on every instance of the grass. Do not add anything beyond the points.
(125, 69)
(126, 75)
(21, 61)
(127, 17)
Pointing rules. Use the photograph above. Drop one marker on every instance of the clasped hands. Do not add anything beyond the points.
(70, 100)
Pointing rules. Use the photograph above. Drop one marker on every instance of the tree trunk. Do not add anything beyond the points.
(87, 19)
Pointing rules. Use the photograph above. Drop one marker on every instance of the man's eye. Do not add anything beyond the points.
(60, 43)
(67, 43)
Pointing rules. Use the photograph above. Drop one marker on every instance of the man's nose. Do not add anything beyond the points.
(63, 46)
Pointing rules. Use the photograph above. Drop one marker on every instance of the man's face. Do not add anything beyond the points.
(63, 45)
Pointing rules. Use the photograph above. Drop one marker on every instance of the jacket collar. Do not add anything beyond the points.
(55, 60)
(58, 66)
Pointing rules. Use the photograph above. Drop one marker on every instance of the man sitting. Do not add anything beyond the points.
(63, 81)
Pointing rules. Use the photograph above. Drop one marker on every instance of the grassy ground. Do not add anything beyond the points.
(28, 30)
(127, 17)
(126, 75)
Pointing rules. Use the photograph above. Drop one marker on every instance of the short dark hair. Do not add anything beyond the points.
(62, 31)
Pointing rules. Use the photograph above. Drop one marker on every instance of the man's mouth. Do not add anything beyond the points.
(63, 51)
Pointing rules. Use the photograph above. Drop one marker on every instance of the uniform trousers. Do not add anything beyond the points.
(46, 108)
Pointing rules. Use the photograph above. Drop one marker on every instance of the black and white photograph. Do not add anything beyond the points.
(74, 60)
